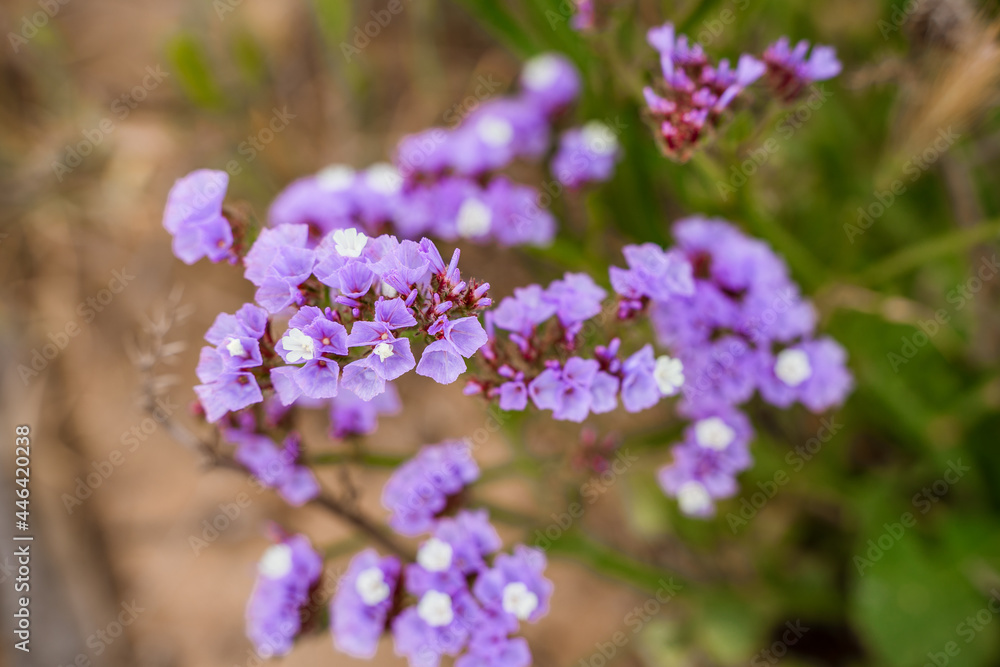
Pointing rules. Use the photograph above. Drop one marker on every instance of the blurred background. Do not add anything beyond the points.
(881, 194)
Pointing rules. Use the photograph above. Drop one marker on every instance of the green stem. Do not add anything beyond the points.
(609, 562)
(916, 255)
(507, 516)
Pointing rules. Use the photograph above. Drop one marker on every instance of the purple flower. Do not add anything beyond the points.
(193, 215)
(551, 82)
(566, 391)
(228, 392)
(645, 379)
(497, 651)
(443, 359)
(351, 416)
(576, 297)
(418, 491)
(278, 263)
(311, 338)
(438, 625)
(513, 395)
(286, 573)
(496, 133)
(583, 20)
(720, 373)
(813, 373)
(604, 393)
(693, 93)
(656, 273)
(517, 217)
(275, 468)
(377, 195)
(249, 321)
(471, 538)
(363, 378)
(360, 608)
(586, 155)
(515, 585)
(521, 313)
(789, 71)
(706, 464)
(323, 202)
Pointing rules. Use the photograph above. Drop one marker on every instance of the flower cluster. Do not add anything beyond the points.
(743, 328)
(194, 217)
(388, 292)
(692, 94)
(287, 574)
(789, 72)
(586, 155)
(444, 182)
(540, 357)
(460, 597)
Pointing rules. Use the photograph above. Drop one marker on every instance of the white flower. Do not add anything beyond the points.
(276, 561)
(541, 72)
(435, 608)
(370, 585)
(335, 178)
(713, 433)
(383, 350)
(792, 367)
(388, 291)
(693, 498)
(383, 178)
(669, 375)
(298, 346)
(518, 600)
(236, 348)
(435, 555)
(473, 219)
(599, 139)
(349, 242)
(495, 132)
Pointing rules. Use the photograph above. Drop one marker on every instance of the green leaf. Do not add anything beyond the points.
(188, 58)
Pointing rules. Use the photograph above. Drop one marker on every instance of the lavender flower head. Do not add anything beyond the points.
(360, 608)
(286, 574)
(692, 94)
(586, 155)
(790, 71)
(193, 216)
(419, 490)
